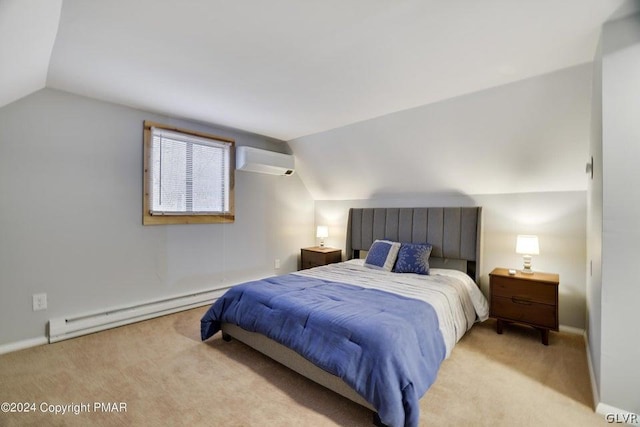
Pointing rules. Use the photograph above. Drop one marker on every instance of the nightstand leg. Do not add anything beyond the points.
(499, 326)
(545, 336)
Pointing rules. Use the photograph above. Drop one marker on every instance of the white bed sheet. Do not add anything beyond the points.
(457, 300)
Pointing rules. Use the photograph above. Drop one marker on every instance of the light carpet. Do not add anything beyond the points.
(166, 376)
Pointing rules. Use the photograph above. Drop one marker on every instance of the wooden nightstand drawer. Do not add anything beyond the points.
(318, 256)
(313, 259)
(523, 290)
(524, 311)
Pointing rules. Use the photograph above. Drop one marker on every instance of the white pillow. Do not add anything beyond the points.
(382, 255)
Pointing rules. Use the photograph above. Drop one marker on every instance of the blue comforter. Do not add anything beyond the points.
(385, 346)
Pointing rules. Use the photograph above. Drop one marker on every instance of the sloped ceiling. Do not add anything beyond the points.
(27, 32)
(289, 68)
(524, 137)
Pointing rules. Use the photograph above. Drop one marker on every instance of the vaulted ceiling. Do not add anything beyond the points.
(289, 68)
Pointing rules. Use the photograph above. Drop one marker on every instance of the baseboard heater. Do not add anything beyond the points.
(70, 327)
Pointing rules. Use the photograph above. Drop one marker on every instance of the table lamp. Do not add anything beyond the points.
(527, 246)
(322, 232)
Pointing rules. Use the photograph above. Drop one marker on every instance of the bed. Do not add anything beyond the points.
(371, 332)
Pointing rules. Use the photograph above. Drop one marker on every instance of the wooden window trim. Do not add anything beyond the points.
(147, 218)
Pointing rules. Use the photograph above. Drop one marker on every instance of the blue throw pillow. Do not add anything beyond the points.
(382, 255)
(413, 258)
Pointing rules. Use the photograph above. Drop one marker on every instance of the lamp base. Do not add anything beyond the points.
(527, 265)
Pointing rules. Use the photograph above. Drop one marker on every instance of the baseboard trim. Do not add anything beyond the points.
(571, 330)
(592, 374)
(21, 345)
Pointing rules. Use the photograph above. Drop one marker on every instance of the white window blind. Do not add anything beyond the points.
(189, 174)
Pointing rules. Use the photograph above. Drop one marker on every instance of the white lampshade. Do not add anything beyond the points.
(527, 245)
(322, 231)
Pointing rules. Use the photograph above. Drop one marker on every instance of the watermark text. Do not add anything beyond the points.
(63, 408)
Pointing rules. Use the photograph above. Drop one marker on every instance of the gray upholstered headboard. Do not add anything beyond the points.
(453, 232)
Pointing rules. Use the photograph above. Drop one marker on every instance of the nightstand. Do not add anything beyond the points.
(530, 299)
(317, 256)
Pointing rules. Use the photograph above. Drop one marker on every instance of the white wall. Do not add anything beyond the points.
(620, 294)
(71, 216)
(557, 218)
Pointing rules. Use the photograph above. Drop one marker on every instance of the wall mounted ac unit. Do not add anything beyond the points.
(263, 161)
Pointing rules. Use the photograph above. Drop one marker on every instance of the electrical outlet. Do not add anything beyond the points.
(276, 263)
(39, 302)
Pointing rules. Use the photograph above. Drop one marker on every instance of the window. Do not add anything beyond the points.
(187, 176)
